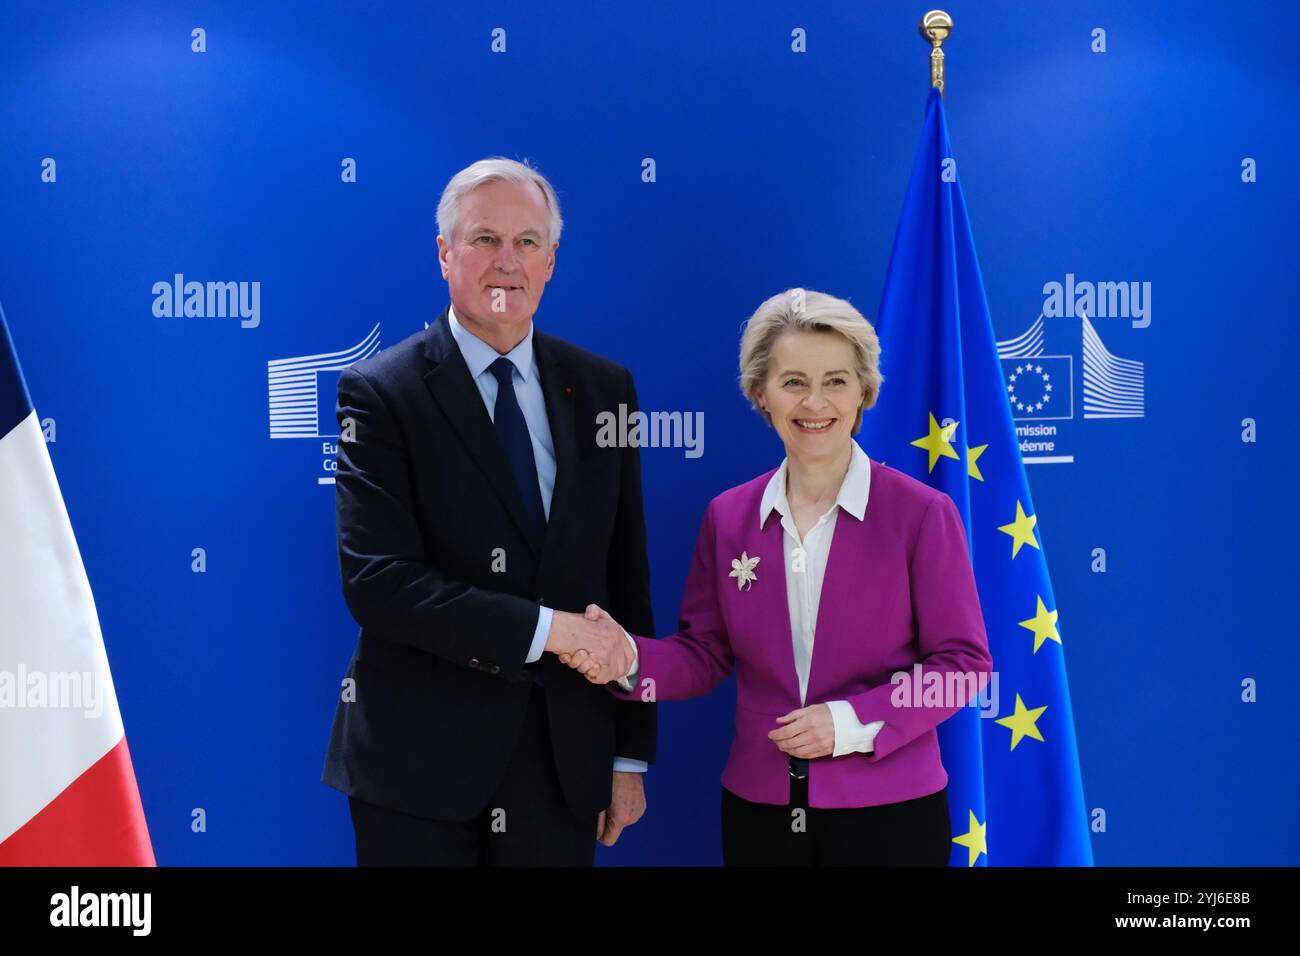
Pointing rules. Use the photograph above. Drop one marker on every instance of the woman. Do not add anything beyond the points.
(817, 582)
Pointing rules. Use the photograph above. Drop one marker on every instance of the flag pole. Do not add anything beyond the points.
(935, 27)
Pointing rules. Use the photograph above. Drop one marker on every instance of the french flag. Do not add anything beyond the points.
(68, 795)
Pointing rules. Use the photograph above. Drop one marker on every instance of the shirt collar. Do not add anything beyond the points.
(479, 355)
(855, 489)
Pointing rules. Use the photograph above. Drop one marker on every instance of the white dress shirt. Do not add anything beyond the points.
(479, 356)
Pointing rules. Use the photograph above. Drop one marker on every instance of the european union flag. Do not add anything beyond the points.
(943, 416)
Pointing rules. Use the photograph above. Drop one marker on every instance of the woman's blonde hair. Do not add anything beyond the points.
(809, 311)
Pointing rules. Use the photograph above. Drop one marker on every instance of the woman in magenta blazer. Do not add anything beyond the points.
(817, 583)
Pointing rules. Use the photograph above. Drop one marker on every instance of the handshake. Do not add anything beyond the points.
(591, 643)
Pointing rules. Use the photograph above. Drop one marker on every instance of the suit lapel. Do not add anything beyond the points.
(456, 392)
(558, 387)
(773, 607)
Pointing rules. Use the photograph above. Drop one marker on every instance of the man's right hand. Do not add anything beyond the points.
(608, 654)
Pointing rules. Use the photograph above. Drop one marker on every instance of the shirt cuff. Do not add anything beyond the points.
(629, 681)
(851, 736)
(540, 634)
(628, 765)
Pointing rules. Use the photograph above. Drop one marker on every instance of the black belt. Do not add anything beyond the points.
(799, 768)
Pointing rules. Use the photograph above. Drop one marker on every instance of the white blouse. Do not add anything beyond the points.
(805, 566)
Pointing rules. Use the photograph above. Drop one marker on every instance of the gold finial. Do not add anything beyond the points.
(935, 28)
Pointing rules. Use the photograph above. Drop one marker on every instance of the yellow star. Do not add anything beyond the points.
(1022, 722)
(1021, 530)
(1043, 624)
(972, 455)
(938, 442)
(974, 839)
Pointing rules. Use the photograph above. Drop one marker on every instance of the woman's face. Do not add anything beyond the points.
(813, 394)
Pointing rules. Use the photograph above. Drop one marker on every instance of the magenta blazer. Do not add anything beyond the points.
(898, 590)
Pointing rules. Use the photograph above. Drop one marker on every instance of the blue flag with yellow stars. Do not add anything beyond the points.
(1014, 789)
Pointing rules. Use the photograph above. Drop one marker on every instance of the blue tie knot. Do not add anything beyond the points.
(504, 370)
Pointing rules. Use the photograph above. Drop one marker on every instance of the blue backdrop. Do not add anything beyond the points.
(130, 157)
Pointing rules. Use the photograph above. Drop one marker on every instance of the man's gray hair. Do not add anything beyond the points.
(492, 170)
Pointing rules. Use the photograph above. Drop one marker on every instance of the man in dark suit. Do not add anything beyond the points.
(477, 518)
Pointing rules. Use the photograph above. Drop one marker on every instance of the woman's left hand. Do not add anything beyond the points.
(807, 732)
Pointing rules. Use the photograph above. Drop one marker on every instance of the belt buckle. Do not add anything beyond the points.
(800, 765)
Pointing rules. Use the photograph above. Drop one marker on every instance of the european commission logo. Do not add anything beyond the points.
(1041, 386)
(301, 394)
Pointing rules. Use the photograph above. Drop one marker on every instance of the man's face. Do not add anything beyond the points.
(499, 260)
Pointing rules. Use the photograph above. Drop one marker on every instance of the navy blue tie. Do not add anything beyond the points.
(513, 431)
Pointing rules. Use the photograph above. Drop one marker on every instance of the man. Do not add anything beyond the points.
(477, 519)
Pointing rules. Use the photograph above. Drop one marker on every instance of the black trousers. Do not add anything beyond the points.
(527, 823)
(911, 833)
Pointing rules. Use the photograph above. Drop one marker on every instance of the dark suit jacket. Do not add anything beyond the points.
(425, 497)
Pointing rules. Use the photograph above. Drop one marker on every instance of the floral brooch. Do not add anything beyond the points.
(742, 569)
